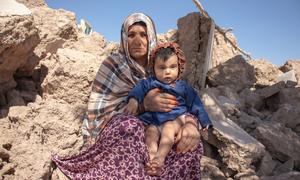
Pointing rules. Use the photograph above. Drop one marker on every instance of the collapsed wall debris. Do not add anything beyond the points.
(248, 93)
(44, 88)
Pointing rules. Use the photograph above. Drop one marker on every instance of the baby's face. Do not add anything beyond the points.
(166, 71)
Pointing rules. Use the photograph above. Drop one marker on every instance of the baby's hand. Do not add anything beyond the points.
(206, 128)
(132, 107)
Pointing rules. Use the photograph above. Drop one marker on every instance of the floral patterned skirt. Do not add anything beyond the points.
(120, 153)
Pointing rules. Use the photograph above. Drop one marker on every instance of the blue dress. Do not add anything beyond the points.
(186, 96)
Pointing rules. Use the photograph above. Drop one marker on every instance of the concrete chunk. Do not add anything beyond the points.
(280, 141)
(236, 147)
(271, 90)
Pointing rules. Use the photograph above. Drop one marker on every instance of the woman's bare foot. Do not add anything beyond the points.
(154, 167)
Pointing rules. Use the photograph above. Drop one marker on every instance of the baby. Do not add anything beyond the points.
(167, 66)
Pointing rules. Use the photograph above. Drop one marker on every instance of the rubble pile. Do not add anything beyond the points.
(47, 68)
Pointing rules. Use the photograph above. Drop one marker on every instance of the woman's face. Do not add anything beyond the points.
(138, 43)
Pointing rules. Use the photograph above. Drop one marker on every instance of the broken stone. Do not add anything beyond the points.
(289, 96)
(7, 169)
(287, 115)
(230, 94)
(235, 73)
(285, 167)
(248, 174)
(18, 113)
(253, 112)
(228, 99)
(4, 154)
(251, 99)
(280, 141)
(237, 148)
(271, 90)
(290, 84)
(293, 175)
(247, 122)
(210, 170)
(227, 171)
(265, 72)
(266, 165)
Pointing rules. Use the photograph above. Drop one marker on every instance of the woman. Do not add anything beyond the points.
(120, 151)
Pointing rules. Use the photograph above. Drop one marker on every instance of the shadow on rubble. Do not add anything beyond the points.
(235, 73)
(27, 90)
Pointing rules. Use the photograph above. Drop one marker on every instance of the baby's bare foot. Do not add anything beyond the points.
(151, 154)
(152, 151)
(154, 167)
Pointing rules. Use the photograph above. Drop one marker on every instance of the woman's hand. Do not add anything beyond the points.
(188, 137)
(132, 107)
(158, 101)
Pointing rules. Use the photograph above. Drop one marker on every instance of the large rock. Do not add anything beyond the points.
(228, 99)
(235, 73)
(289, 96)
(287, 115)
(247, 122)
(284, 167)
(280, 141)
(265, 73)
(237, 148)
(271, 90)
(18, 38)
(266, 165)
(70, 74)
(251, 99)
